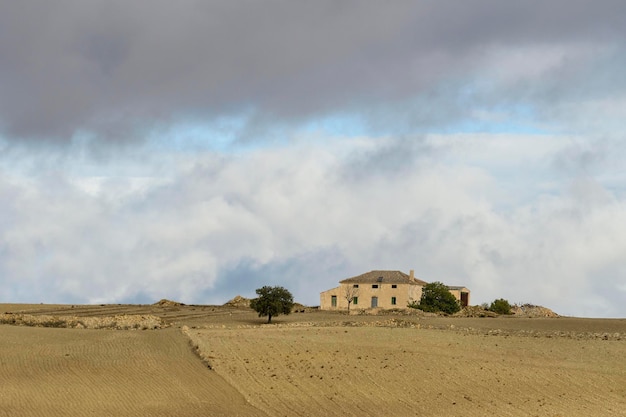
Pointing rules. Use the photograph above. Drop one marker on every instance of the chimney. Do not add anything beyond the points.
(412, 275)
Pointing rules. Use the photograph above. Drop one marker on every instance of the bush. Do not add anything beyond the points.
(500, 306)
(437, 298)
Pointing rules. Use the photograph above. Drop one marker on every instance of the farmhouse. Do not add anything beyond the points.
(380, 289)
(383, 289)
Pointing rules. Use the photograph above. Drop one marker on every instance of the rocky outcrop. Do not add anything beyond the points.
(523, 310)
(532, 311)
(475, 311)
(168, 303)
(119, 322)
(239, 302)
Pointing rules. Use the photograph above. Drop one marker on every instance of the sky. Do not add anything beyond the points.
(198, 150)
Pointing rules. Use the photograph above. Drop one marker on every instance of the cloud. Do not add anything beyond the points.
(221, 224)
(189, 150)
(113, 70)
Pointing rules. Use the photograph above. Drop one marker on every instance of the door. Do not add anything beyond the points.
(374, 302)
(464, 299)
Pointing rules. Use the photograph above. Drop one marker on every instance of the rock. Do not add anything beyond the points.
(120, 322)
(239, 302)
(530, 311)
(167, 303)
(475, 311)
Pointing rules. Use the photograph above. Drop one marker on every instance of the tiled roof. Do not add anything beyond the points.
(456, 287)
(385, 277)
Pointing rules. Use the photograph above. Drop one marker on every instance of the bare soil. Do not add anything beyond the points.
(224, 361)
(71, 372)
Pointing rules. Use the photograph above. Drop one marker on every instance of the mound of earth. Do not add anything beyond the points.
(119, 322)
(529, 310)
(475, 311)
(167, 303)
(524, 310)
(301, 308)
(239, 302)
(390, 312)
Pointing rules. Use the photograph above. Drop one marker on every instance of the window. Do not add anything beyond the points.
(333, 301)
(393, 301)
(394, 286)
(355, 300)
(355, 286)
(374, 285)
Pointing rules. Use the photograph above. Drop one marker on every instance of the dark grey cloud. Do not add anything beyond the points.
(391, 158)
(115, 68)
(583, 158)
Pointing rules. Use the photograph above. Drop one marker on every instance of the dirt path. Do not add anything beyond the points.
(364, 371)
(69, 372)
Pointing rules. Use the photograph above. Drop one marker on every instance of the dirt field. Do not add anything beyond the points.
(312, 364)
(70, 372)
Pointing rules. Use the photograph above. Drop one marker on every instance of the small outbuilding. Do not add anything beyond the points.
(461, 294)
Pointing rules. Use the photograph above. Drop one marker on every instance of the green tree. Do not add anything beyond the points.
(437, 298)
(500, 306)
(272, 301)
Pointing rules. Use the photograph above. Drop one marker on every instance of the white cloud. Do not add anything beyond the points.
(307, 215)
(177, 165)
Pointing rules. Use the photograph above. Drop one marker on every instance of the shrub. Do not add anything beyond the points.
(500, 306)
(437, 298)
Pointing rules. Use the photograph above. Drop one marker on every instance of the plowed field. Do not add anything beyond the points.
(312, 364)
(372, 371)
(70, 372)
